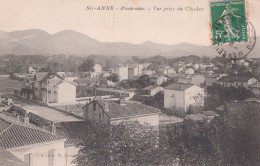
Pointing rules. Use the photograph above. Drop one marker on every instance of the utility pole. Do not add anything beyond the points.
(47, 96)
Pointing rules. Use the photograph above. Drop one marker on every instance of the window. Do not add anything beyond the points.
(28, 159)
(51, 157)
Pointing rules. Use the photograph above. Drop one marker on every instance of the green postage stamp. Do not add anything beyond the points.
(228, 18)
(230, 27)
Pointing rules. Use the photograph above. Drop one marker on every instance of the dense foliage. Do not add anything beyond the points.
(217, 95)
(126, 143)
(229, 140)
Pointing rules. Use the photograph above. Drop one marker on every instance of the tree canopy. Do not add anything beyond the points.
(87, 66)
(126, 143)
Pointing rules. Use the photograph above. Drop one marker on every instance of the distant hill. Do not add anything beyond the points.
(68, 42)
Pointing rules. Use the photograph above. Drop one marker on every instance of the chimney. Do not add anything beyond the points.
(122, 100)
(53, 128)
(26, 119)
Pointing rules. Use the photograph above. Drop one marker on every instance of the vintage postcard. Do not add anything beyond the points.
(129, 82)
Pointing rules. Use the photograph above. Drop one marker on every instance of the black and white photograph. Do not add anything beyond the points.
(129, 83)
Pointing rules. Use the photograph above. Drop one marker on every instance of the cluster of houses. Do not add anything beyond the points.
(31, 137)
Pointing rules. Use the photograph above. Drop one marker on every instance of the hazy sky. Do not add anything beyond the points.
(170, 27)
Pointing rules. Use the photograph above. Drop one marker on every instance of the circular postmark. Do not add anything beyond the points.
(234, 36)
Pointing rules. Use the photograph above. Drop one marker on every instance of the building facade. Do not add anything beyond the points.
(181, 96)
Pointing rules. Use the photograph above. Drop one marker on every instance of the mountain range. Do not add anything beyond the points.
(69, 42)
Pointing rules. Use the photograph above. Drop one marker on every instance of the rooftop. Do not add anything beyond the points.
(40, 75)
(114, 90)
(74, 131)
(179, 86)
(45, 112)
(232, 78)
(17, 135)
(51, 81)
(128, 109)
(8, 159)
(150, 87)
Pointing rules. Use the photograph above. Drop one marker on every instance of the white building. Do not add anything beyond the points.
(189, 71)
(122, 73)
(59, 90)
(159, 79)
(34, 146)
(151, 90)
(180, 96)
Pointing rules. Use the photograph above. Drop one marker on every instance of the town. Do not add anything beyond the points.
(49, 111)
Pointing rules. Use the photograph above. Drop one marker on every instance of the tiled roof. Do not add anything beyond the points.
(61, 81)
(243, 79)
(49, 76)
(74, 131)
(179, 86)
(16, 135)
(243, 106)
(126, 110)
(232, 79)
(8, 159)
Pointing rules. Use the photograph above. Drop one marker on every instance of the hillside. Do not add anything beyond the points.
(68, 42)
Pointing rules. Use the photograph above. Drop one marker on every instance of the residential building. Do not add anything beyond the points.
(33, 68)
(158, 79)
(195, 79)
(115, 93)
(51, 88)
(151, 90)
(226, 81)
(122, 72)
(167, 70)
(211, 79)
(34, 146)
(140, 68)
(188, 71)
(131, 73)
(104, 111)
(237, 81)
(244, 81)
(181, 96)
(148, 72)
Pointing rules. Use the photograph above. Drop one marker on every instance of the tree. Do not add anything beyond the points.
(87, 66)
(193, 143)
(126, 143)
(113, 78)
(239, 134)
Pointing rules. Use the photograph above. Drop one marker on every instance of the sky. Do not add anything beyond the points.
(172, 27)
